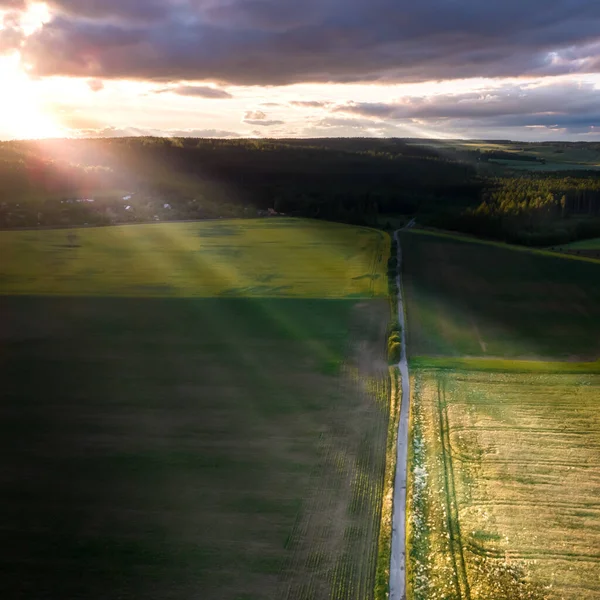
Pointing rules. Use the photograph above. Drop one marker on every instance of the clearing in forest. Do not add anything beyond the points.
(196, 445)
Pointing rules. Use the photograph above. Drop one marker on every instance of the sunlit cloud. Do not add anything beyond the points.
(358, 67)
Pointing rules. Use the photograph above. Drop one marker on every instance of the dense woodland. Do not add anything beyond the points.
(361, 181)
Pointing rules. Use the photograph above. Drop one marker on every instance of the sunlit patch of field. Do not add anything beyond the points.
(256, 258)
(505, 487)
(498, 365)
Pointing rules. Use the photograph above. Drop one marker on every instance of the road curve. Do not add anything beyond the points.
(398, 560)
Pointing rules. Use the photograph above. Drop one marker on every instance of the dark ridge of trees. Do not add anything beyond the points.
(345, 180)
(535, 210)
(362, 181)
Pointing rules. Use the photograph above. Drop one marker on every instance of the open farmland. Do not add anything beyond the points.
(589, 248)
(161, 439)
(506, 481)
(282, 257)
(471, 298)
(585, 245)
(548, 156)
(504, 465)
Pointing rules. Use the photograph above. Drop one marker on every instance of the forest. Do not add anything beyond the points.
(460, 187)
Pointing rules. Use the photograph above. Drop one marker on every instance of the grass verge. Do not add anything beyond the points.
(382, 576)
(500, 365)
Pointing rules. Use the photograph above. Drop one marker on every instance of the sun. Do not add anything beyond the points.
(22, 112)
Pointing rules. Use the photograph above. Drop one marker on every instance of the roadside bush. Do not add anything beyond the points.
(394, 345)
(394, 351)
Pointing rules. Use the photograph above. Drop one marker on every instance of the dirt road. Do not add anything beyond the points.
(398, 560)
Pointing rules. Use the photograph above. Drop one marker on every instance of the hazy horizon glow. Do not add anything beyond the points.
(112, 68)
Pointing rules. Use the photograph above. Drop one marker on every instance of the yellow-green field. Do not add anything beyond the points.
(505, 485)
(194, 410)
(264, 258)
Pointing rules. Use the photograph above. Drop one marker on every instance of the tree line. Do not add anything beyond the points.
(361, 181)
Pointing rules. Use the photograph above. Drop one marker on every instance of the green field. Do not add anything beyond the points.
(466, 298)
(584, 245)
(557, 156)
(552, 165)
(195, 446)
(505, 486)
(281, 257)
(504, 470)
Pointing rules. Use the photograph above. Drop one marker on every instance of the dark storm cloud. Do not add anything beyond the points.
(284, 41)
(569, 106)
(200, 91)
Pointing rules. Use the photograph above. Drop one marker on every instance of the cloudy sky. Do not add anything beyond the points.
(518, 69)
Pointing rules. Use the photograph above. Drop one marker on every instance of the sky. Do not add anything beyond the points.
(493, 69)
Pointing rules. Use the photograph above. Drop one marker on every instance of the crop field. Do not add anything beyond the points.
(466, 298)
(505, 485)
(167, 433)
(504, 349)
(281, 257)
(585, 245)
(552, 165)
(558, 157)
(588, 248)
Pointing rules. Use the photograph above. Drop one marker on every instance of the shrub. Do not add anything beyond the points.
(394, 351)
(394, 344)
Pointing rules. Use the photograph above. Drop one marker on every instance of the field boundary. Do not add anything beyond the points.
(398, 554)
(503, 365)
(382, 574)
(463, 238)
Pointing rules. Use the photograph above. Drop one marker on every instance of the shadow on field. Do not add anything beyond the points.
(163, 448)
(475, 299)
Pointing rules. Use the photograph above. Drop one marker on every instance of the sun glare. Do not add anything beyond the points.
(35, 17)
(22, 112)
